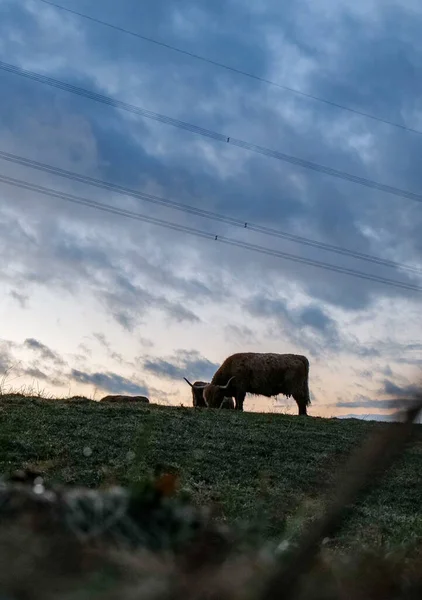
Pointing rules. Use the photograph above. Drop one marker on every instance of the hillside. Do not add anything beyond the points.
(258, 467)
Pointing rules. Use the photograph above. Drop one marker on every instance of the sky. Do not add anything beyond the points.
(95, 303)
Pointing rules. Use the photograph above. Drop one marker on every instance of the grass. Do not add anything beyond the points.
(267, 470)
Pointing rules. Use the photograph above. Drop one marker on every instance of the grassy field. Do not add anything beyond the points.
(266, 469)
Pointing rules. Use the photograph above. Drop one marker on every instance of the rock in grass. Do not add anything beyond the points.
(122, 398)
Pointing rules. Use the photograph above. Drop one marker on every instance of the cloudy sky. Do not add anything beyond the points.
(94, 303)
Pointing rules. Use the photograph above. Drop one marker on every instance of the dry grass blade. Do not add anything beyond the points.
(372, 459)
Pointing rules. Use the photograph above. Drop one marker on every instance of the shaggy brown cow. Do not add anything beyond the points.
(198, 396)
(263, 374)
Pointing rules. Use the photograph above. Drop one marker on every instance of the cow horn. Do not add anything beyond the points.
(187, 381)
(224, 387)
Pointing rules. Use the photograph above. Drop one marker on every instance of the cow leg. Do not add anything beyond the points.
(301, 403)
(239, 399)
(302, 409)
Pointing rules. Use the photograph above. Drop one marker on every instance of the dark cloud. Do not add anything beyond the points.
(145, 342)
(313, 316)
(71, 261)
(240, 333)
(73, 252)
(161, 397)
(44, 351)
(387, 371)
(407, 391)
(21, 299)
(36, 374)
(102, 340)
(415, 362)
(7, 359)
(380, 404)
(364, 374)
(13, 371)
(110, 382)
(288, 197)
(267, 307)
(184, 363)
(127, 303)
(85, 350)
(309, 327)
(163, 368)
(395, 351)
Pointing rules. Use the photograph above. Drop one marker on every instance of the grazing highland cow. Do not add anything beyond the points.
(198, 397)
(260, 374)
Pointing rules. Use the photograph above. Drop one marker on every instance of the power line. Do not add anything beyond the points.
(203, 234)
(26, 162)
(232, 69)
(209, 133)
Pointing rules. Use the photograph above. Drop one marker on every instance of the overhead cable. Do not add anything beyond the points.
(17, 183)
(389, 189)
(199, 212)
